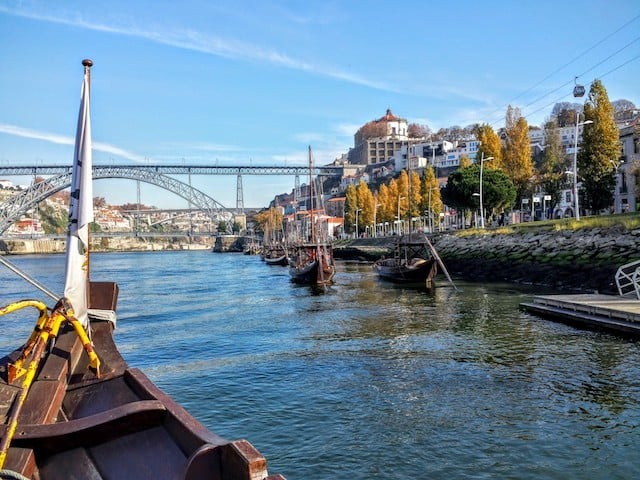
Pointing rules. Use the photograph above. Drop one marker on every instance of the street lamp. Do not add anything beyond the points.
(375, 226)
(399, 198)
(482, 159)
(357, 210)
(575, 163)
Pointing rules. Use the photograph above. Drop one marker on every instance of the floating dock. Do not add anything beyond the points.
(608, 312)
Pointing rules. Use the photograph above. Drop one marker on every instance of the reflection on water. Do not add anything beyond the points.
(371, 380)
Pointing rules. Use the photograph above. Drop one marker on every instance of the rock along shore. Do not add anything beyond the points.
(573, 260)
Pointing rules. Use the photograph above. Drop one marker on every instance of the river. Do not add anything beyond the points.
(368, 380)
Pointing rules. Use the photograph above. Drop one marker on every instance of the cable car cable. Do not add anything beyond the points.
(572, 61)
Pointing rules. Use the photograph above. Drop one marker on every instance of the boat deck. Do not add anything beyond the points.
(609, 312)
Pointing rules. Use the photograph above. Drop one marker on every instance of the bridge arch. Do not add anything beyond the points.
(19, 204)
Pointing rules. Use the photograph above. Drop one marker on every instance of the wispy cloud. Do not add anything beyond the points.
(65, 140)
(205, 43)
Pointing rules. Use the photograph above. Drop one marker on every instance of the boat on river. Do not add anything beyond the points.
(312, 260)
(276, 255)
(411, 261)
(70, 405)
(312, 264)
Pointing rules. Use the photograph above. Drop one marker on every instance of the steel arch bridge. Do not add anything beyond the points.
(18, 205)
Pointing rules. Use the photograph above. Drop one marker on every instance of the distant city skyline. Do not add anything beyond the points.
(257, 82)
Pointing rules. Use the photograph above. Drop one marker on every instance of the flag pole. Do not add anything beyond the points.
(80, 208)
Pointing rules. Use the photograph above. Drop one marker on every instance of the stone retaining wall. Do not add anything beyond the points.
(584, 260)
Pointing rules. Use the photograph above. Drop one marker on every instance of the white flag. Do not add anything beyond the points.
(76, 287)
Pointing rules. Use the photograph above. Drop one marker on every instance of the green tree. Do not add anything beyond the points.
(498, 191)
(600, 150)
(516, 156)
(552, 170)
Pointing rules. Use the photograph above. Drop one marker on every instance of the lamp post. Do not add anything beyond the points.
(399, 198)
(357, 210)
(375, 214)
(575, 163)
(482, 159)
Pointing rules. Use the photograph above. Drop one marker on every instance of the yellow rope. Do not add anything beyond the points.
(46, 328)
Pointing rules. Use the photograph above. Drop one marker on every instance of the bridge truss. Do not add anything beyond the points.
(19, 204)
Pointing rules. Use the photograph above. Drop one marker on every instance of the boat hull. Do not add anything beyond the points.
(419, 271)
(312, 265)
(75, 425)
(282, 260)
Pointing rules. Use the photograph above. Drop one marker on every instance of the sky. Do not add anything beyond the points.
(203, 82)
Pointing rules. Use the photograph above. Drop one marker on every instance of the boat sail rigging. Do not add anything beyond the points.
(312, 261)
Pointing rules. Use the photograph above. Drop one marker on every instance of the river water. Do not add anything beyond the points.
(368, 380)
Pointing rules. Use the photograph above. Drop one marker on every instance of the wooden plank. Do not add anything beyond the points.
(149, 454)
(567, 312)
(103, 295)
(71, 465)
(8, 394)
(21, 460)
(87, 431)
(63, 357)
(602, 305)
(43, 402)
(241, 460)
(188, 432)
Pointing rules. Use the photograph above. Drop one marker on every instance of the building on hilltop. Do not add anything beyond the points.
(378, 140)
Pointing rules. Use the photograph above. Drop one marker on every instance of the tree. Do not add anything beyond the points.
(516, 157)
(623, 105)
(269, 222)
(222, 226)
(431, 200)
(600, 150)
(415, 195)
(366, 204)
(418, 131)
(385, 211)
(498, 190)
(553, 166)
(99, 202)
(350, 206)
(403, 194)
(465, 161)
(490, 145)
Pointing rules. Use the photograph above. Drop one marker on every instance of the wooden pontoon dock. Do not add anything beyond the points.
(609, 312)
(616, 313)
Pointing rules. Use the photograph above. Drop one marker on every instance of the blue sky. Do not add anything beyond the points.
(256, 82)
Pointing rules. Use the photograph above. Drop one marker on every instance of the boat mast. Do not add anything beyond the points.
(311, 195)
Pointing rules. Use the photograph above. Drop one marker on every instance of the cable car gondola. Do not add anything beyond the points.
(578, 90)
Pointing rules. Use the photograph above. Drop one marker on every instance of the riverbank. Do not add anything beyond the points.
(582, 259)
(569, 259)
(114, 244)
